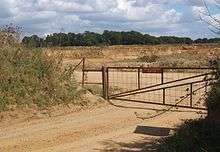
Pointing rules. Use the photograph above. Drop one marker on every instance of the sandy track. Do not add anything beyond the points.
(107, 128)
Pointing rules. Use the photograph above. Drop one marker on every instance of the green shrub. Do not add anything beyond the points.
(198, 135)
(148, 58)
(94, 89)
(30, 77)
(213, 100)
(193, 136)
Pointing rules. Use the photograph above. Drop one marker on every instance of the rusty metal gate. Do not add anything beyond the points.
(175, 87)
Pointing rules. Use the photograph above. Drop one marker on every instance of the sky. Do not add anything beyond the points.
(155, 17)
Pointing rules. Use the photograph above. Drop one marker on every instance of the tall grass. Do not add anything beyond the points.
(30, 77)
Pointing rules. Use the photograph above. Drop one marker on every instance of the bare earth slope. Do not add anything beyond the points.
(108, 128)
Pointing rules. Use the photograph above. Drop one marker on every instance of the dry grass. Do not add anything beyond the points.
(167, 55)
(30, 77)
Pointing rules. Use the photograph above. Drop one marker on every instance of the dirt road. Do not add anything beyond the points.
(107, 128)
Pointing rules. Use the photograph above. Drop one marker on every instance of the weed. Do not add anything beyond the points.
(94, 89)
(31, 77)
(148, 58)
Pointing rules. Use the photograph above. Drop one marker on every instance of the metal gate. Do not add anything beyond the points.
(175, 87)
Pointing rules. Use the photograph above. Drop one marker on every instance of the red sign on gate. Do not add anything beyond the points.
(151, 70)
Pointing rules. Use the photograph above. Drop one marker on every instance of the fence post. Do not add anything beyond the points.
(83, 72)
(162, 81)
(191, 94)
(107, 83)
(104, 86)
(139, 79)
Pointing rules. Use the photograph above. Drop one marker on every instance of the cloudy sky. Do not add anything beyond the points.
(156, 17)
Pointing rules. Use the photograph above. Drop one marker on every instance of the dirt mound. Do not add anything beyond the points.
(21, 114)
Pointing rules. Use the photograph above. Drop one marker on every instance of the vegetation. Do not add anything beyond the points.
(9, 35)
(94, 89)
(193, 136)
(31, 77)
(201, 135)
(148, 58)
(107, 38)
(213, 100)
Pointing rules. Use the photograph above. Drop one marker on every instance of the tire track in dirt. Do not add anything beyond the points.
(89, 130)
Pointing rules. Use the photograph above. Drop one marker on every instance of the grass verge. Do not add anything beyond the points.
(29, 77)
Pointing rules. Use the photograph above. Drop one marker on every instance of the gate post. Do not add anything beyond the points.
(139, 78)
(83, 72)
(191, 94)
(104, 83)
(162, 81)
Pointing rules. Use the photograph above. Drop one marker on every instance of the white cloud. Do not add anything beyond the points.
(198, 11)
(171, 16)
(63, 6)
(153, 16)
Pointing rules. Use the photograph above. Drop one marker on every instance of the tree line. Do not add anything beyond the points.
(107, 38)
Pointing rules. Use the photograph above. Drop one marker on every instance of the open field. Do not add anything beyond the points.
(109, 76)
(159, 55)
(111, 128)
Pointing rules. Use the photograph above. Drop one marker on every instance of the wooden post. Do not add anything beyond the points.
(162, 81)
(107, 83)
(83, 72)
(191, 95)
(139, 79)
(162, 75)
(104, 83)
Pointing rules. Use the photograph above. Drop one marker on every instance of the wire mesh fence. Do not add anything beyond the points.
(182, 87)
(171, 86)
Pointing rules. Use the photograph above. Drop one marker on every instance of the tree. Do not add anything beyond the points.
(113, 38)
(33, 41)
(132, 37)
(108, 38)
(91, 38)
(212, 20)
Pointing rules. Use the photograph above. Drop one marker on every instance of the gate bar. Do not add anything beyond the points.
(157, 103)
(92, 70)
(168, 87)
(172, 105)
(171, 68)
(163, 83)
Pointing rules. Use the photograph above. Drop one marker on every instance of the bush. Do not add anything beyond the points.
(193, 136)
(198, 135)
(94, 89)
(148, 58)
(213, 100)
(30, 77)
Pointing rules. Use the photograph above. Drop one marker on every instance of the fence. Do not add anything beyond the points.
(185, 87)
